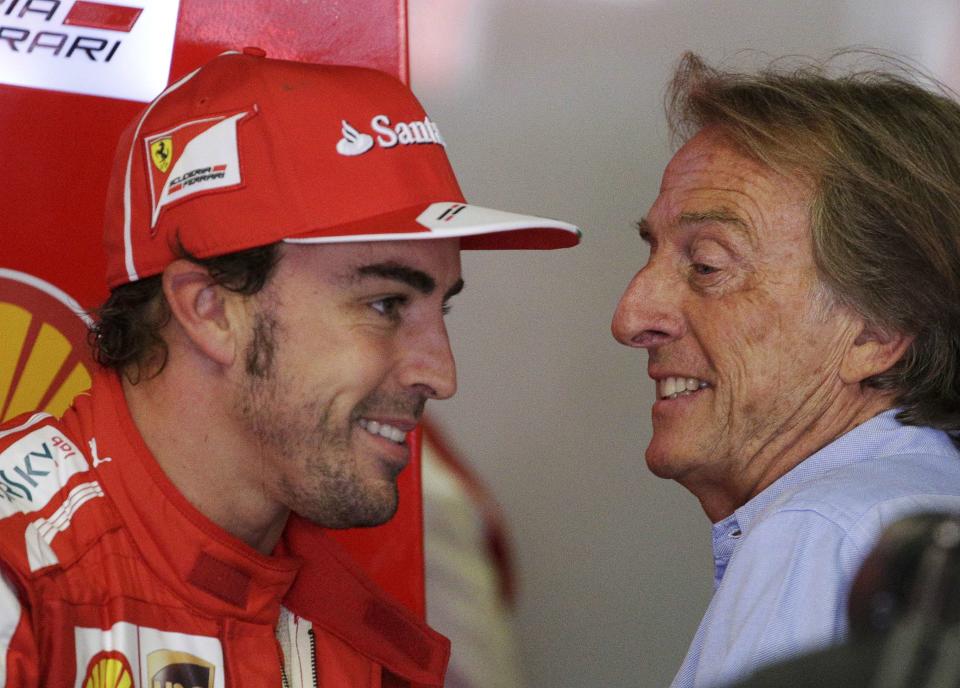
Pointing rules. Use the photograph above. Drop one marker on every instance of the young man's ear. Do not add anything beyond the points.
(874, 351)
(201, 309)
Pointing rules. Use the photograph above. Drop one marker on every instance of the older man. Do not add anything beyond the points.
(283, 240)
(801, 312)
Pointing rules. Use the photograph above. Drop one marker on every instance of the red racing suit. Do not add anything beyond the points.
(109, 578)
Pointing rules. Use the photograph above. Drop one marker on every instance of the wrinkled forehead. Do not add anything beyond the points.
(710, 176)
(712, 158)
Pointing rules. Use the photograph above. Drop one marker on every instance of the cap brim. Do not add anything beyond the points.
(478, 228)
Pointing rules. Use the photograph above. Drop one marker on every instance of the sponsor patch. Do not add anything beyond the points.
(117, 49)
(353, 142)
(155, 659)
(167, 668)
(108, 670)
(161, 151)
(34, 468)
(192, 158)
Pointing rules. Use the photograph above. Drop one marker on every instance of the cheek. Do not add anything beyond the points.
(748, 348)
(360, 365)
(740, 337)
(775, 350)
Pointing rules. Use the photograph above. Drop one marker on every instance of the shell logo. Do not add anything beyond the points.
(44, 358)
(108, 670)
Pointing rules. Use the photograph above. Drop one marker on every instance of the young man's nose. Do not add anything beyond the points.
(429, 364)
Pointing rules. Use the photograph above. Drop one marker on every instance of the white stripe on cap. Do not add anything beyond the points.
(127, 239)
(450, 220)
(460, 219)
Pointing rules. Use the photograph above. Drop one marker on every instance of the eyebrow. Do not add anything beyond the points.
(691, 219)
(418, 279)
(719, 216)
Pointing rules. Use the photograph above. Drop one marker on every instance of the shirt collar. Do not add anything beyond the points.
(882, 435)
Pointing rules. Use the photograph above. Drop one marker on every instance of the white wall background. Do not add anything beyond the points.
(554, 107)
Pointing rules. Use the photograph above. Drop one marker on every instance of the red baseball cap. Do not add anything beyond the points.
(247, 151)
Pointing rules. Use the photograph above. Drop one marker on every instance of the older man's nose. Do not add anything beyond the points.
(648, 314)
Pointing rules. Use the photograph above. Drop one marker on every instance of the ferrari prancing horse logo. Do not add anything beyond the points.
(161, 151)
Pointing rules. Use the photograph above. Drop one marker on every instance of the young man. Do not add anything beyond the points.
(283, 240)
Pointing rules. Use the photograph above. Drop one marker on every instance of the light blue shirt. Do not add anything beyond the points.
(785, 560)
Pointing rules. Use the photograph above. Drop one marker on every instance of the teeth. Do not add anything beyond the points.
(383, 430)
(673, 387)
(668, 388)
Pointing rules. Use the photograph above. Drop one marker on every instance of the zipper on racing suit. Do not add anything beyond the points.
(296, 638)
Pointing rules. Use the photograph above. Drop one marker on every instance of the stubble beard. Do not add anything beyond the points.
(326, 488)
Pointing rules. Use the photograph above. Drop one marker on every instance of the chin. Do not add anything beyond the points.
(368, 519)
(663, 462)
(362, 511)
(374, 515)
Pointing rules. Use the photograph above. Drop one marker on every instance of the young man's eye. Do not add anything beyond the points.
(389, 306)
(446, 308)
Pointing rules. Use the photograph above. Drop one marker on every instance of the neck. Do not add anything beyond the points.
(797, 439)
(184, 421)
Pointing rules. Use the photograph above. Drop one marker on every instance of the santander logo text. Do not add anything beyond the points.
(388, 135)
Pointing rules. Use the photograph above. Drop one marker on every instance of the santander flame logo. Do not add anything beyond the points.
(353, 142)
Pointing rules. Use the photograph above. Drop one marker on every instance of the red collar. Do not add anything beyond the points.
(334, 593)
(225, 577)
(196, 558)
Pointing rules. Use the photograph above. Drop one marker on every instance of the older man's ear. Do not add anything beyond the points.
(874, 351)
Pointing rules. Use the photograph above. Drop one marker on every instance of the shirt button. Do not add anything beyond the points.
(253, 51)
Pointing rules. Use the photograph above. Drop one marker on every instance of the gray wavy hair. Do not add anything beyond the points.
(883, 153)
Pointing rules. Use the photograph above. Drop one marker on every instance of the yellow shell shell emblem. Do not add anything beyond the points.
(108, 672)
(44, 358)
(161, 152)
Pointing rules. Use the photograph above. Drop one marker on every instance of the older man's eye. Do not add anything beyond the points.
(704, 269)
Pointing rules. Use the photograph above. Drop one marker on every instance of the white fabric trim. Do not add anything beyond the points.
(10, 613)
(32, 420)
(40, 534)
